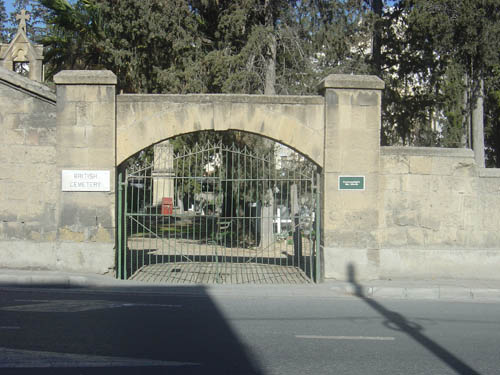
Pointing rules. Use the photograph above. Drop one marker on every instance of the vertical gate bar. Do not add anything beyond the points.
(119, 224)
(145, 217)
(282, 244)
(234, 211)
(178, 194)
(291, 256)
(246, 221)
(196, 173)
(259, 204)
(270, 249)
(318, 230)
(154, 196)
(276, 244)
(214, 224)
(133, 225)
(311, 230)
(204, 218)
(299, 234)
(176, 245)
(193, 173)
(159, 218)
(125, 239)
(138, 265)
(207, 153)
(150, 215)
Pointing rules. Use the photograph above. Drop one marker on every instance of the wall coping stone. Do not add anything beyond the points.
(351, 81)
(85, 77)
(489, 172)
(427, 151)
(223, 98)
(30, 87)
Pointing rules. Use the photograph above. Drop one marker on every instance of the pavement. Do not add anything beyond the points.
(427, 289)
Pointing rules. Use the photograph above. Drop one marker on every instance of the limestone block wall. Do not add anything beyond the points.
(439, 214)
(28, 190)
(42, 134)
(350, 218)
(86, 142)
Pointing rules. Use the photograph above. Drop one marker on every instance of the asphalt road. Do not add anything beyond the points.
(192, 330)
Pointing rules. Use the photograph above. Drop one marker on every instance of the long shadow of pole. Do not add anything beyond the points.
(399, 322)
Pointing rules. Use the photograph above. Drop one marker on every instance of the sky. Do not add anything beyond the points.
(8, 6)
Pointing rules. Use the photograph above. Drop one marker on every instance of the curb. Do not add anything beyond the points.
(327, 289)
(45, 281)
(432, 293)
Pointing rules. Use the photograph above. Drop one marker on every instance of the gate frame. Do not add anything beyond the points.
(348, 114)
(312, 179)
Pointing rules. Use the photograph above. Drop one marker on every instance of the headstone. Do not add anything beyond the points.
(267, 218)
(297, 237)
(163, 172)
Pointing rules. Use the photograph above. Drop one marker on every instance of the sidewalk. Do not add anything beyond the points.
(431, 289)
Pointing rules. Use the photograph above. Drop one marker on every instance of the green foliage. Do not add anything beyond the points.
(492, 117)
(4, 35)
(74, 38)
(182, 46)
(431, 53)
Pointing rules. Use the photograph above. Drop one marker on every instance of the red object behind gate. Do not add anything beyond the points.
(167, 206)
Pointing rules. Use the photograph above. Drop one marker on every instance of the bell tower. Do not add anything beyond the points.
(21, 55)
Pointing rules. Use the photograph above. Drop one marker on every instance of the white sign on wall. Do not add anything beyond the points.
(76, 180)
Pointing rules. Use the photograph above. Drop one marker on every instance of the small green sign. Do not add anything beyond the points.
(351, 182)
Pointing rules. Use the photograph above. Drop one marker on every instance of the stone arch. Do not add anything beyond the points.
(143, 120)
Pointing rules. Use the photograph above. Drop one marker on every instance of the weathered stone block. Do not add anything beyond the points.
(73, 157)
(394, 164)
(390, 182)
(465, 168)
(420, 165)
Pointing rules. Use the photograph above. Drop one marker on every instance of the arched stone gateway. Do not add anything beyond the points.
(143, 120)
(246, 220)
(388, 211)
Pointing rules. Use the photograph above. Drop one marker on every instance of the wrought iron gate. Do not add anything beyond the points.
(218, 214)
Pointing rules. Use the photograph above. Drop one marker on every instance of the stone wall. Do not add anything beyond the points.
(424, 212)
(28, 191)
(41, 226)
(350, 218)
(439, 214)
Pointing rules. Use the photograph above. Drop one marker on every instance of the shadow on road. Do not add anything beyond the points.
(111, 331)
(398, 322)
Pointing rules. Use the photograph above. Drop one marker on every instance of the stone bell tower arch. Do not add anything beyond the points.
(21, 55)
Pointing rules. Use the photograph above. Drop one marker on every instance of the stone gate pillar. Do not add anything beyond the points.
(350, 214)
(86, 169)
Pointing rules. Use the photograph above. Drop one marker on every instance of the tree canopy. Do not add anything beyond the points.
(434, 55)
(4, 36)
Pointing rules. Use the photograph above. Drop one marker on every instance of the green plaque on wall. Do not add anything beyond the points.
(351, 182)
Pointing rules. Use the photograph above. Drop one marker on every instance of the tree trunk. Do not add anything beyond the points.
(377, 6)
(270, 83)
(270, 78)
(478, 126)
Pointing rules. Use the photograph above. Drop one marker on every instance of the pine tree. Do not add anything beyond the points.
(4, 35)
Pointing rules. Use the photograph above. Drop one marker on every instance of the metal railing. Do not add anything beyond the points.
(216, 213)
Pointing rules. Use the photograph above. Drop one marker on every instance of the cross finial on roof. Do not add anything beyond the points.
(23, 17)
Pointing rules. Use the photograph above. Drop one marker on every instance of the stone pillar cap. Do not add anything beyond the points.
(351, 81)
(85, 77)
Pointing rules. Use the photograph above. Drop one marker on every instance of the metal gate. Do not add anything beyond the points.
(218, 214)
